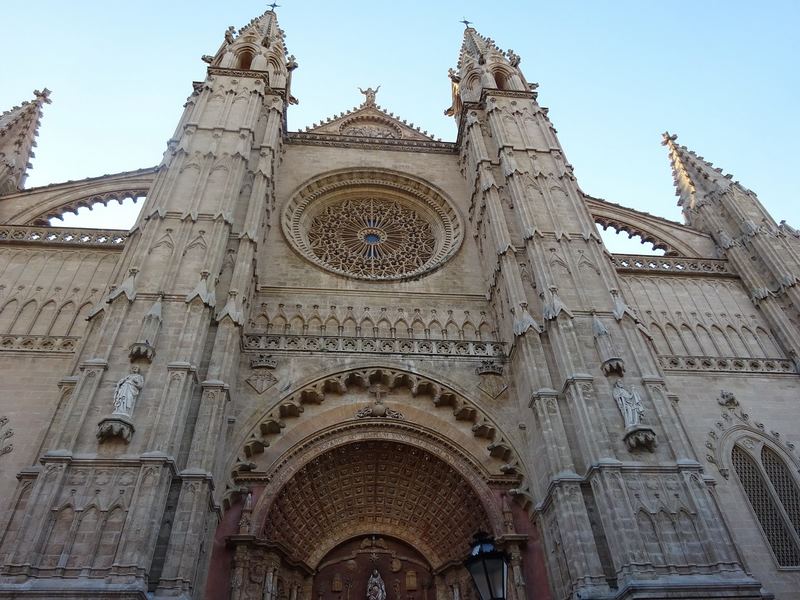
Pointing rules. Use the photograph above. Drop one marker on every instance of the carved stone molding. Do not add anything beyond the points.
(736, 425)
(38, 343)
(364, 345)
(354, 141)
(5, 434)
(274, 422)
(59, 236)
(676, 265)
(727, 364)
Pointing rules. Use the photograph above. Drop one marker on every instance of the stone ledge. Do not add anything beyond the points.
(364, 345)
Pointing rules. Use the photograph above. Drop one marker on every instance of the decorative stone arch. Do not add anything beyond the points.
(675, 239)
(266, 428)
(36, 206)
(389, 432)
(736, 426)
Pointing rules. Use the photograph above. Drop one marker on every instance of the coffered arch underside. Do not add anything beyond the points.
(379, 478)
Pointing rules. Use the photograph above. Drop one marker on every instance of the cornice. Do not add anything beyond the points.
(366, 143)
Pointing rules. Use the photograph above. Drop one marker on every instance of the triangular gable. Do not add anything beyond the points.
(371, 121)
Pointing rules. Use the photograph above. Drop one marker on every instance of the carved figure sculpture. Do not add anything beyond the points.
(127, 391)
(376, 590)
(630, 404)
(370, 95)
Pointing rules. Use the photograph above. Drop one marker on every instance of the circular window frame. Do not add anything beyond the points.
(430, 203)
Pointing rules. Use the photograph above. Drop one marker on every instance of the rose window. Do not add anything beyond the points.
(371, 238)
(377, 226)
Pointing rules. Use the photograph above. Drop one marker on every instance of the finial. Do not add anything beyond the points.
(43, 95)
(369, 94)
(273, 6)
(668, 138)
(466, 23)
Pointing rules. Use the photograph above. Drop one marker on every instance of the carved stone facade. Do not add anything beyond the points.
(321, 361)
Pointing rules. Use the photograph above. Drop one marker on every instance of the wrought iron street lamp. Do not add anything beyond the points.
(488, 567)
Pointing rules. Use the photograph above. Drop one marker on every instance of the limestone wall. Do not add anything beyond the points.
(764, 411)
(45, 294)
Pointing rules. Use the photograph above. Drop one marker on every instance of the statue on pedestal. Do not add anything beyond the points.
(127, 391)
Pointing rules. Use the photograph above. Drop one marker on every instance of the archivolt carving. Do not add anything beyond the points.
(372, 224)
(736, 425)
(293, 406)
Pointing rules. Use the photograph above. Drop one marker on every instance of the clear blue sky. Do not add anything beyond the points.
(723, 75)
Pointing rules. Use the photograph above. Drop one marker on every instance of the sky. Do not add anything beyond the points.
(723, 75)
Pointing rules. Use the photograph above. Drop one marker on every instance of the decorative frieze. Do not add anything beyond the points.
(323, 343)
(726, 364)
(19, 234)
(38, 343)
(633, 263)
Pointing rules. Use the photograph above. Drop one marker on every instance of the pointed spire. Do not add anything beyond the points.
(694, 177)
(258, 46)
(18, 130)
(482, 65)
(477, 48)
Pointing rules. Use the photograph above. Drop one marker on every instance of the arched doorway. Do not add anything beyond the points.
(349, 571)
(342, 490)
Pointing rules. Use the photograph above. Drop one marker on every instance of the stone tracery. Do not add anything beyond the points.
(371, 238)
(372, 224)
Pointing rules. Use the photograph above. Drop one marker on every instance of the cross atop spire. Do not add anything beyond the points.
(273, 6)
(18, 130)
(466, 23)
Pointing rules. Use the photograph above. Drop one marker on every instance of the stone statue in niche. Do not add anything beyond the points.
(630, 404)
(119, 424)
(637, 436)
(127, 391)
(376, 590)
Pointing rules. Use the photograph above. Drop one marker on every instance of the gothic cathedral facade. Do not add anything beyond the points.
(321, 361)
